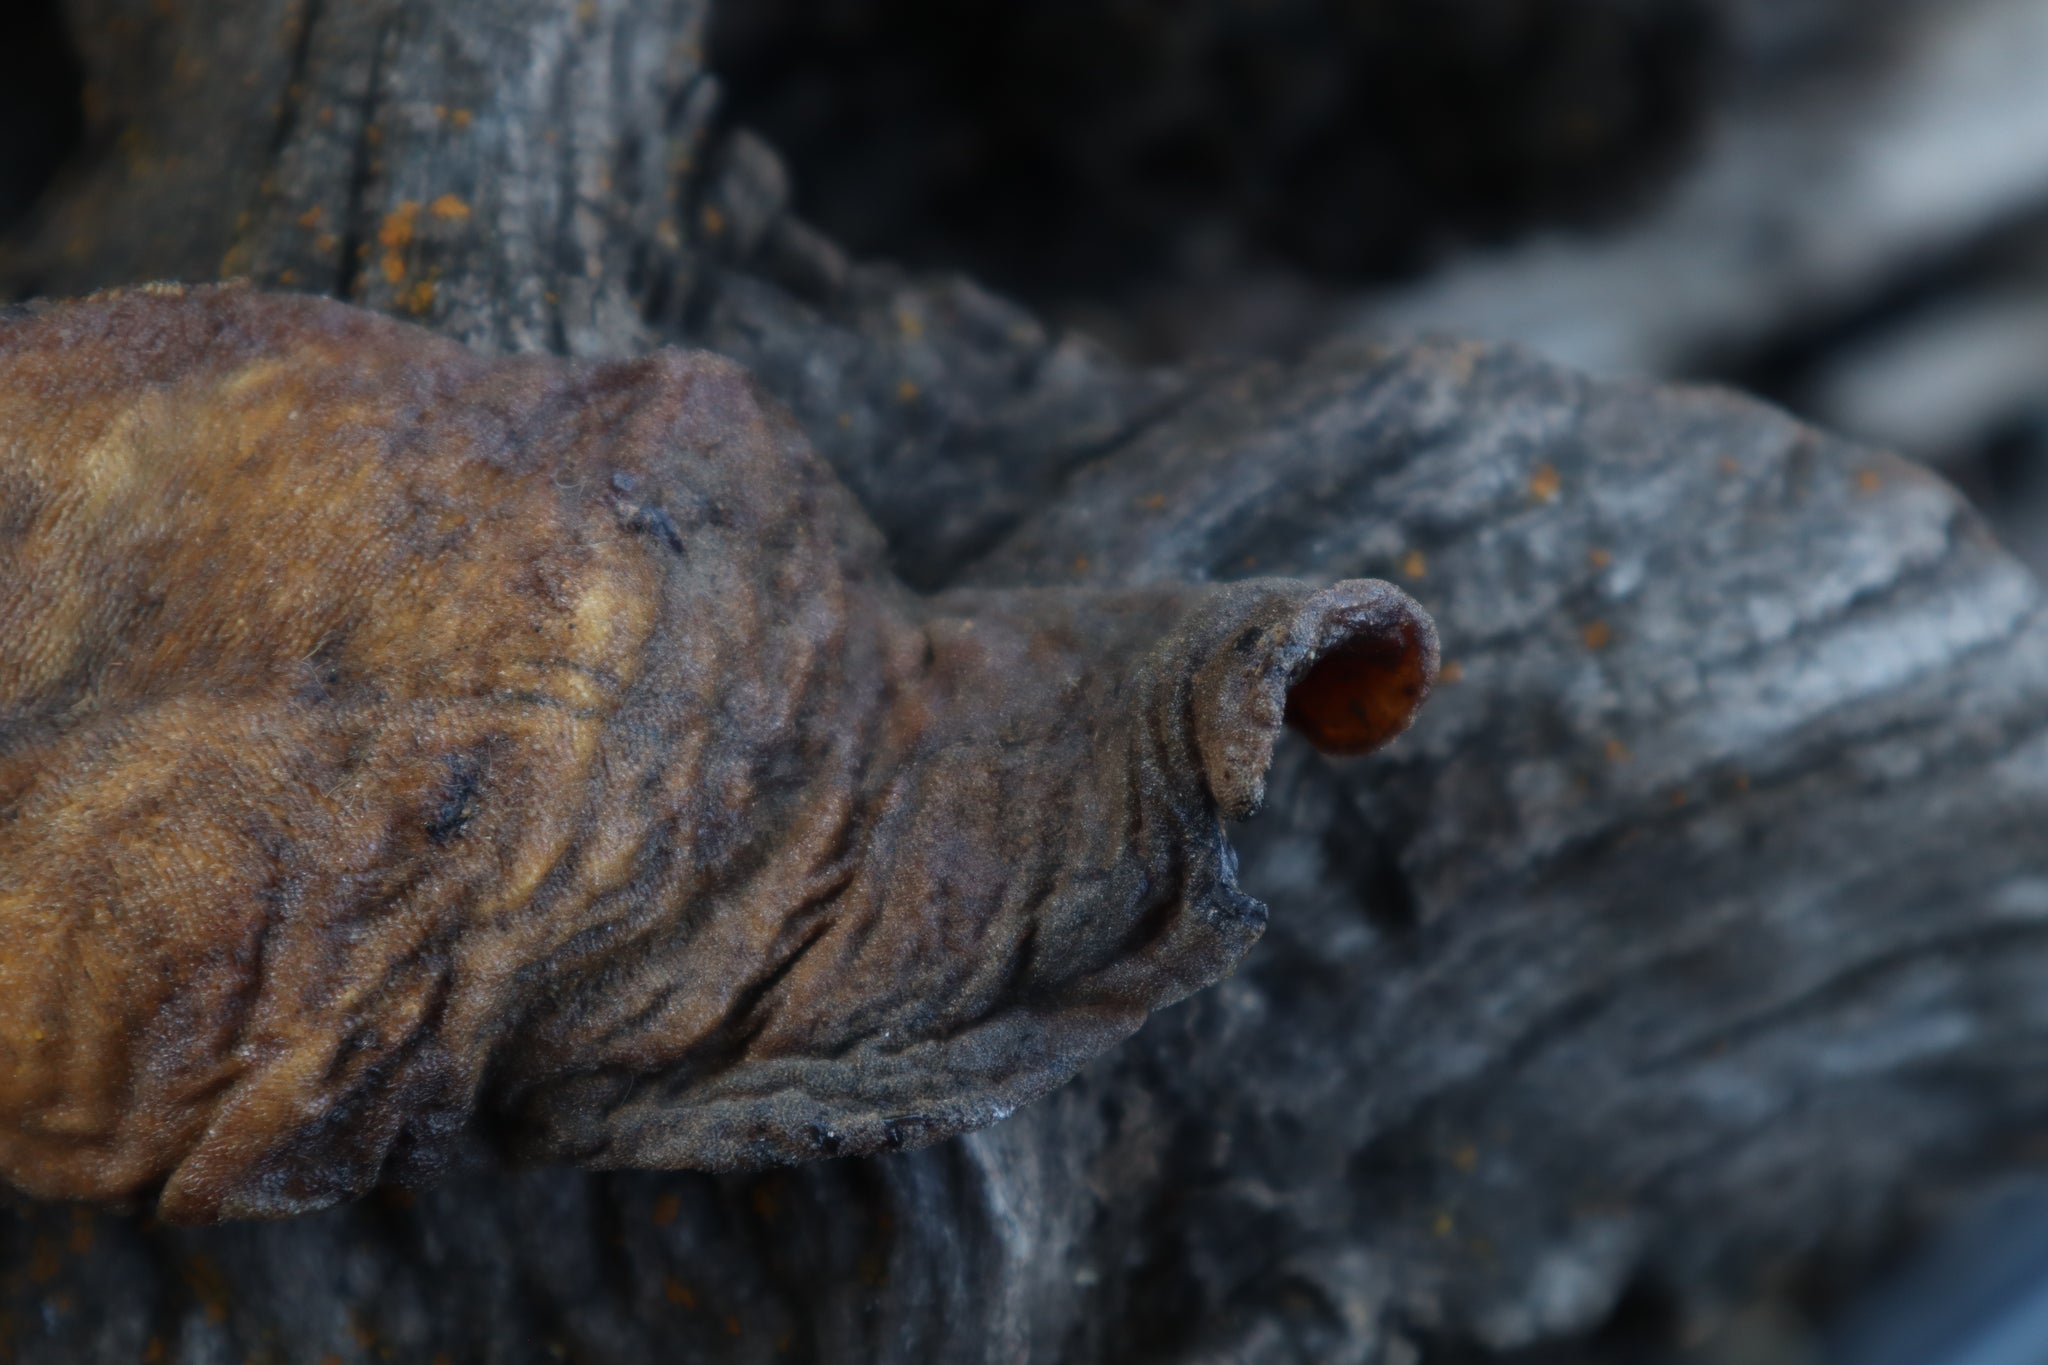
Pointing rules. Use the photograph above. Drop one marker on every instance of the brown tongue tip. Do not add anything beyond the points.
(1369, 672)
(1348, 667)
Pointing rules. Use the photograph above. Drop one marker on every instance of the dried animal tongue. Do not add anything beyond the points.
(1366, 684)
(393, 735)
(1349, 667)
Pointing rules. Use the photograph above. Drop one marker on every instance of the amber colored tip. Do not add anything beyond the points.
(1374, 666)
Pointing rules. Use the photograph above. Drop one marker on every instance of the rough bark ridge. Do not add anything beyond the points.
(1694, 938)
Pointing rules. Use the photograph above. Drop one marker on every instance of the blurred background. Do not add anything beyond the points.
(1839, 204)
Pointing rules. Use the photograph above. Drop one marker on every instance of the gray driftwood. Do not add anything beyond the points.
(1692, 942)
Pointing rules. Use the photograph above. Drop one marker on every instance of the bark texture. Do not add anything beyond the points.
(1691, 943)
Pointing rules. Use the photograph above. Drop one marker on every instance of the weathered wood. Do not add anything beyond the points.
(1696, 935)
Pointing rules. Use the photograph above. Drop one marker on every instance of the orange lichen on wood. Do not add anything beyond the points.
(396, 742)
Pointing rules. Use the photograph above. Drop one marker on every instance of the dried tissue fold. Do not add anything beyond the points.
(396, 742)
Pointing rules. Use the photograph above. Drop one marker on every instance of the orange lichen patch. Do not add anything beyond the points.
(1596, 635)
(450, 206)
(1599, 558)
(395, 235)
(462, 118)
(1545, 483)
(396, 232)
(678, 1293)
(713, 220)
(1616, 751)
(1451, 672)
(1729, 466)
(420, 297)
(666, 1209)
(1080, 564)
(1465, 1158)
(208, 1286)
(311, 217)
(1415, 565)
(906, 391)
(1869, 481)
(44, 1261)
(1152, 502)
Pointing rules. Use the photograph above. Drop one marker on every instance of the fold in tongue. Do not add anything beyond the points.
(1348, 667)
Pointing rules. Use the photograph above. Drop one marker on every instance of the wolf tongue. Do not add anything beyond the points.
(413, 735)
(1348, 667)
(1371, 671)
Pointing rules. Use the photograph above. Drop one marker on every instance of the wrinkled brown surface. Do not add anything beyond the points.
(394, 740)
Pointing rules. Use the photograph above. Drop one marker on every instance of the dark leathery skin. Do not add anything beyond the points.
(396, 741)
